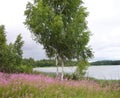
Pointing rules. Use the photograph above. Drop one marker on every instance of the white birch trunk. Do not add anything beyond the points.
(57, 73)
(62, 75)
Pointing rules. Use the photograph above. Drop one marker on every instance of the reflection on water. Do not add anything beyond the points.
(98, 72)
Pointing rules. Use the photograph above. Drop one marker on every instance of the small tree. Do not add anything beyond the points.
(2, 44)
(60, 26)
(18, 49)
(10, 55)
(6, 55)
(2, 36)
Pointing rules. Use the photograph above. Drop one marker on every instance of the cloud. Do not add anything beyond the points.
(35, 51)
(106, 46)
(104, 23)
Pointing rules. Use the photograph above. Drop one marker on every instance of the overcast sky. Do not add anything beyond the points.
(103, 22)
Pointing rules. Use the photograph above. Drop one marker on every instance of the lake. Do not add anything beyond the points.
(111, 72)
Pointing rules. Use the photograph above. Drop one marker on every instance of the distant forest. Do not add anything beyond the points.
(51, 63)
(45, 63)
(106, 62)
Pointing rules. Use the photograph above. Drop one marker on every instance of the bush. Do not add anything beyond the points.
(80, 71)
(23, 69)
(16, 69)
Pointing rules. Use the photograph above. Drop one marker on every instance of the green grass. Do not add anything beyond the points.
(53, 91)
(40, 86)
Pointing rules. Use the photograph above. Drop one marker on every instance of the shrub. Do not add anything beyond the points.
(23, 69)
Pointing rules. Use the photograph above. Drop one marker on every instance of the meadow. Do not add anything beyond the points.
(42, 86)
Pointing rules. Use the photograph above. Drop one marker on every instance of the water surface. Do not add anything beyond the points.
(111, 72)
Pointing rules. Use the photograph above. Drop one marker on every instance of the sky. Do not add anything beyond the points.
(103, 22)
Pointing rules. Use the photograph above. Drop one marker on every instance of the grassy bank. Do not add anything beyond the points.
(40, 86)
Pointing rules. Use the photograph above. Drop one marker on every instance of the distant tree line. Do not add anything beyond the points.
(106, 62)
(44, 63)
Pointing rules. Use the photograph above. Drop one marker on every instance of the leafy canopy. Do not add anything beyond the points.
(60, 26)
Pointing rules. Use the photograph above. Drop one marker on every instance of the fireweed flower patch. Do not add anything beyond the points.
(41, 86)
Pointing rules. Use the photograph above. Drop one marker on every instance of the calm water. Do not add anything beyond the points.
(98, 72)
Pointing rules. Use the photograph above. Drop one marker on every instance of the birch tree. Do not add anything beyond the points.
(60, 26)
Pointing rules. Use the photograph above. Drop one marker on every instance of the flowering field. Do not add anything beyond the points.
(40, 86)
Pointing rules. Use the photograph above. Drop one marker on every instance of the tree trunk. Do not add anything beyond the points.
(57, 73)
(62, 75)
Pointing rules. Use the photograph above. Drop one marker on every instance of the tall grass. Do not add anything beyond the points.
(40, 86)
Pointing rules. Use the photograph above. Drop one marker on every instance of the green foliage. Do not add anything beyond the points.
(81, 67)
(9, 59)
(2, 45)
(2, 36)
(106, 62)
(38, 63)
(29, 62)
(60, 26)
(23, 69)
(10, 55)
(18, 49)
(45, 63)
